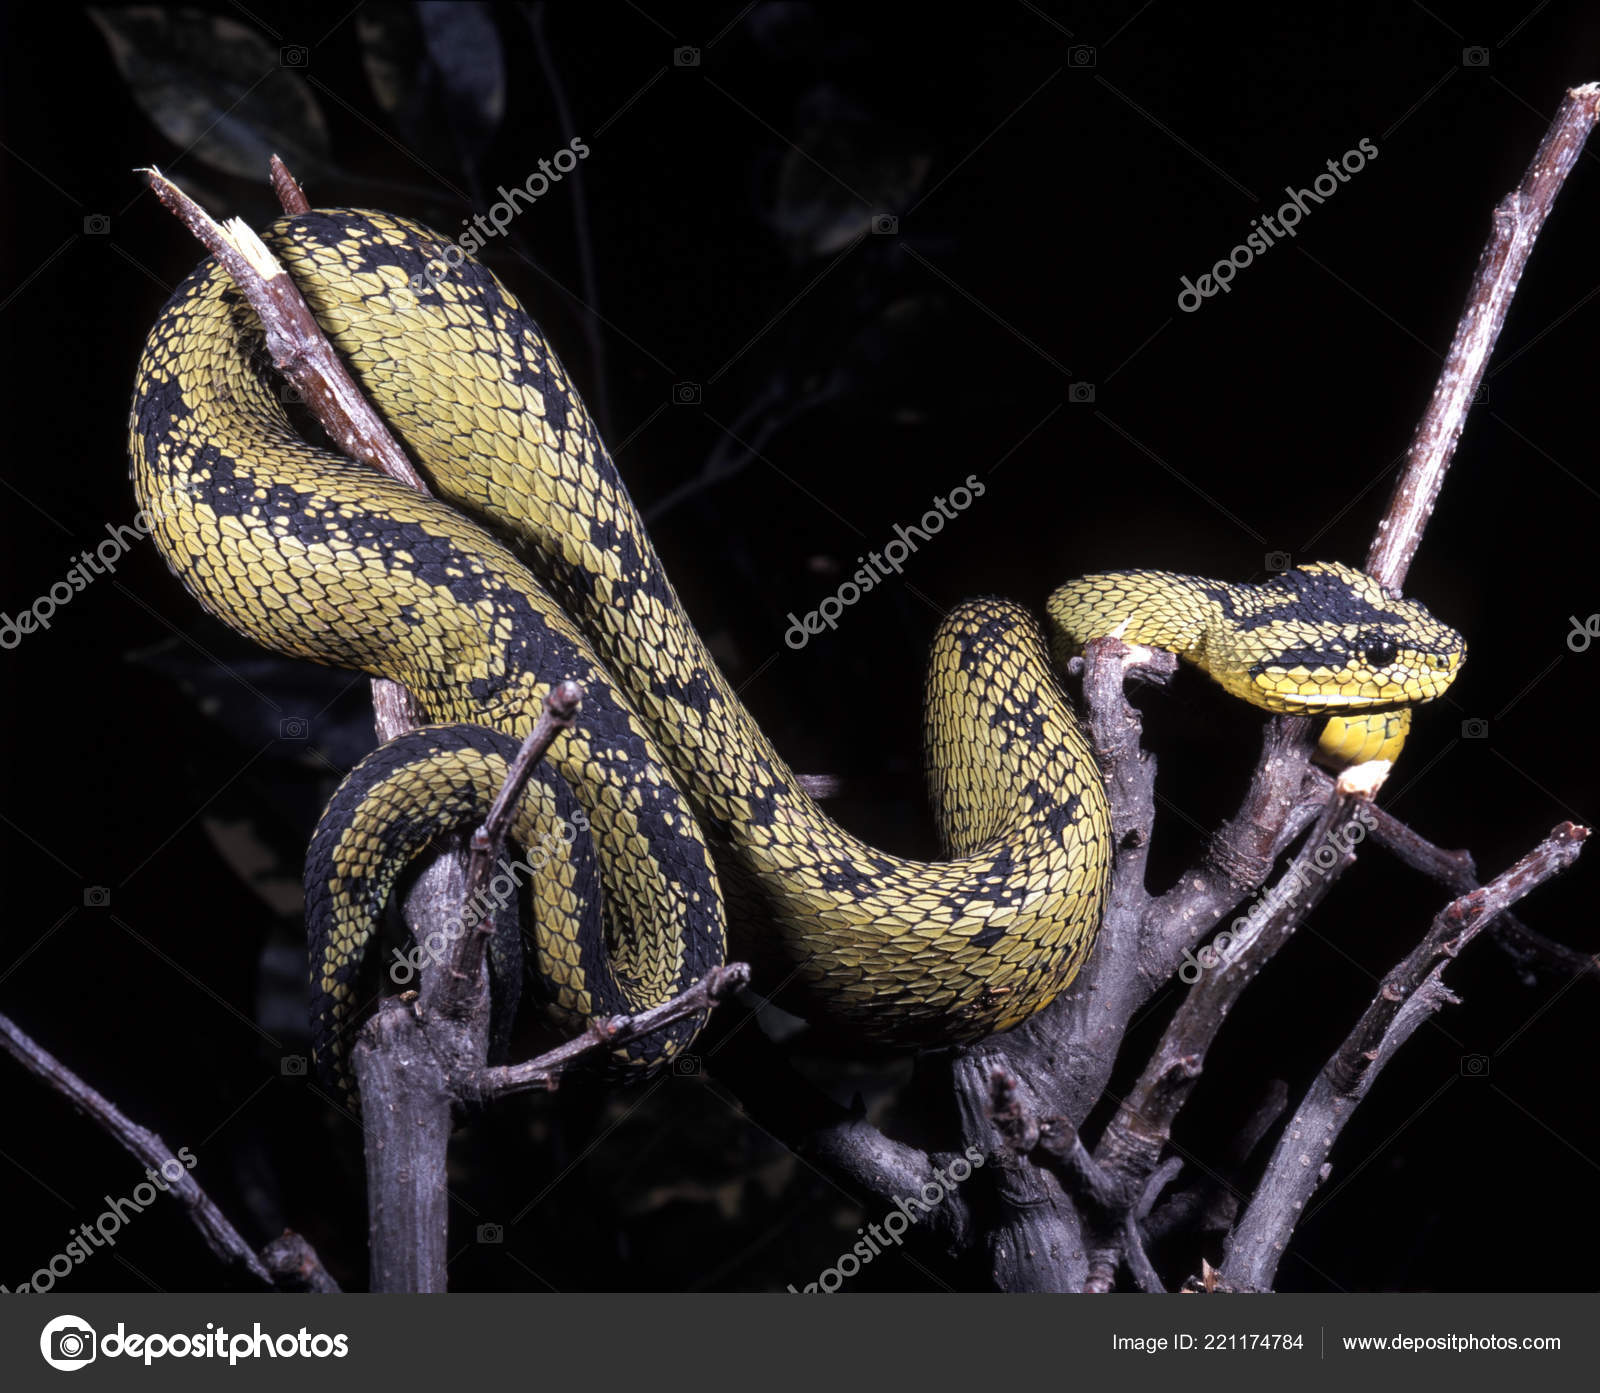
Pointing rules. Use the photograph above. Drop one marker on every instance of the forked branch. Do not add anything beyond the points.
(1410, 993)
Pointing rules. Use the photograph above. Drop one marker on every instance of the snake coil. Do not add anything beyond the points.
(666, 815)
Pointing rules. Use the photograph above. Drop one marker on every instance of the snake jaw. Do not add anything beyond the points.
(1303, 692)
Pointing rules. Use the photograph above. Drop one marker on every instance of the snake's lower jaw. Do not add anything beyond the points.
(1359, 739)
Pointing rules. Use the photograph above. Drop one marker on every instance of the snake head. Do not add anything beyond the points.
(1328, 638)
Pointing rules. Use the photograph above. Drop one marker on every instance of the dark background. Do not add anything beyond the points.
(1054, 170)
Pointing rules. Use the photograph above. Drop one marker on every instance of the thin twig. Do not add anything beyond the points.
(1455, 927)
(1517, 221)
(543, 1073)
(145, 1146)
(1211, 1204)
(302, 353)
(1139, 1264)
(1058, 1139)
(394, 709)
(1054, 1138)
(291, 197)
(1458, 873)
(1408, 996)
(295, 1266)
(299, 348)
(561, 706)
(865, 1164)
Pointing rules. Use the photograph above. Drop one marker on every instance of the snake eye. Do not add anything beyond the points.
(1377, 650)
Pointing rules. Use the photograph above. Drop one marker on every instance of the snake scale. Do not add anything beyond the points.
(665, 816)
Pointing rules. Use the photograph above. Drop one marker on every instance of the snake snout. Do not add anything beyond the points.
(1364, 648)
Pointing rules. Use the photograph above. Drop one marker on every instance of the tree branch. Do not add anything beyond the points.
(1457, 872)
(1517, 220)
(561, 705)
(543, 1073)
(1412, 992)
(1035, 1241)
(837, 1140)
(146, 1147)
(295, 1266)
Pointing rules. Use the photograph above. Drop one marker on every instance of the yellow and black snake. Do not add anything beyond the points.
(533, 566)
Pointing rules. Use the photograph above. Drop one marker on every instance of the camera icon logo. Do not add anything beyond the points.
(686, 394)
(292, 1066)
(294, 728)
(1475, 57)
(67, 1343)
(1080, 391)
(686, 1066)
(686, 57)
(1475, 729)
(1474, 1066)
(1082, 56)
(1278, 561)
(96, 225)
(293, 56)
(96, 896)
(885, 224)
(491, 1233)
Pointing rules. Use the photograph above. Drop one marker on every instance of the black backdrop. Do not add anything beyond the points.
(1054, 172)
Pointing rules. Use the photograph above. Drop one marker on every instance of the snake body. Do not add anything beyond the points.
(533, 566)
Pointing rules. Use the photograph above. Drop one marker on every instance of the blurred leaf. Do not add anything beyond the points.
(847, 169)
(786, 32)
(438, 70)
(259, 864)
(216, 89)
(268, 736)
